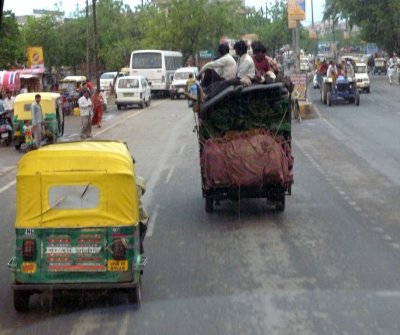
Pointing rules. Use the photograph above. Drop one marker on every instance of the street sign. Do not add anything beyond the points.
(206, 53)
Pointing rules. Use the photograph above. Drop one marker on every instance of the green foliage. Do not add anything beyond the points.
(10, 41)
(184, 25)
(378, 20)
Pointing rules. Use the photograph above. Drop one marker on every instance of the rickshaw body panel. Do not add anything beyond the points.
(75, 201)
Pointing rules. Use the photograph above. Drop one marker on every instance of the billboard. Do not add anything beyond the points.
(297, 10)
(35, 57)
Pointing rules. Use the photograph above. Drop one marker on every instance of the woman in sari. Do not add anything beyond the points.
(97, 101)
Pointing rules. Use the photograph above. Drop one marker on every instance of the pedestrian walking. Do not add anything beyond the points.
(37, 121)
(97, 102)
(391, 70)
(86, 111)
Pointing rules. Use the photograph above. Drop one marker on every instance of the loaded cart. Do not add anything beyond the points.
(244, 136)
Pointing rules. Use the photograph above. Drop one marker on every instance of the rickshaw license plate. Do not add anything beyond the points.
(28, 267)
(114, 265)
(4, 135)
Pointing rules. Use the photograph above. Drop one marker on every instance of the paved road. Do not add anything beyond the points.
(328, 265)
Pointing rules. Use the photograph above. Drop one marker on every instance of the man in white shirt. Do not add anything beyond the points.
(8, 104)
(246, 69)
(86, 111)
(37, 121)
(223, 68)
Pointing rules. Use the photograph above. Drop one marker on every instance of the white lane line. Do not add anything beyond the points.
(7, 186)
(123, 326)
(181, 149)
(152, 222)
(171, 171)
(123, 119)
(385, 106)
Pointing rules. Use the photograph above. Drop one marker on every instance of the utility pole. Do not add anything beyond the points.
(96, 49)
(88, 74)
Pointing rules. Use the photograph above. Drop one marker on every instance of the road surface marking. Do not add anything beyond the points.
(171, 171)
(7, 186)
(152, 222)
(181, 149)
(123, 119)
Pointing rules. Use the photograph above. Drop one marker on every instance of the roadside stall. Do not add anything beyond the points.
(32, 79)
(69, 89)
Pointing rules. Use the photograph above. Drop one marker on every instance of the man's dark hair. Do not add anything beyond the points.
(190, 75)
(37, 96)
(223, 49)
(240, 47)
(259, 47)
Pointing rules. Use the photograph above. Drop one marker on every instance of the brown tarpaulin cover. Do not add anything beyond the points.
(250, 158)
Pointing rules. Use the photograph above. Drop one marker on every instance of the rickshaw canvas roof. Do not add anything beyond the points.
(106, 166)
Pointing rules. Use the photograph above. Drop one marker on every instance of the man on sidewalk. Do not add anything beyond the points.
(86, 111)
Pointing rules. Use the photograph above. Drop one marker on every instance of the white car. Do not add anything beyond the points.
(132, 90)
(178, 85)
(361, 77)
(107, 79)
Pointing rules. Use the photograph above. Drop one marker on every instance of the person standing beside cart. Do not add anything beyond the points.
(86, 111)
(37, 120)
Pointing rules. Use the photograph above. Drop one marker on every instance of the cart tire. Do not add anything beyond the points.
(280, 204)
(135, 296)
(21, 300)
(329, 99)
(209, 205)
(17, 146)
(119, 107)
(357, 100)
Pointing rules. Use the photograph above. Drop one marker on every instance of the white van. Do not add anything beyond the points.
(107, 79)
(132, 90)
(181, 75)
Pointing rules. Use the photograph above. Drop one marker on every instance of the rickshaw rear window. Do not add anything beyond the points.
(27, 107)
(85, 196)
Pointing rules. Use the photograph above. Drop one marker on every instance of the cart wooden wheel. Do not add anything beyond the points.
(135, 296)
(280, 204)
(21, 300)
(209, 205)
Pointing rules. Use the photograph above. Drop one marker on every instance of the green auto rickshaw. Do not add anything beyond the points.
(52, 114)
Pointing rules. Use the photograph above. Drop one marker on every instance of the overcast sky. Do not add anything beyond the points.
(69, 6)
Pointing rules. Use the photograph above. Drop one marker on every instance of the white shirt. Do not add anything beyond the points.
(246, 67)
(8, 103)
(85, 106)
(226, 65)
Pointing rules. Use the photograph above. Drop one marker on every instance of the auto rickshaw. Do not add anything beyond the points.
(380, 66)
(52, 113)
(69, 89)
(78, 216)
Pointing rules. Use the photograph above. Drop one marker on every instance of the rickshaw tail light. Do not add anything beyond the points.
(29, 250)
(118, 250)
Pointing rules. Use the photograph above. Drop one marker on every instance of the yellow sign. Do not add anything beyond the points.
(35, 57)
(296, 10)
(292, 24)
(346, 35)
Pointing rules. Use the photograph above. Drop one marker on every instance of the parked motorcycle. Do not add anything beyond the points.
(6, 129)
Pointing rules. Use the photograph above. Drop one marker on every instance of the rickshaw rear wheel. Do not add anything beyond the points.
(21, 300)
(135, 295)
(209, 205)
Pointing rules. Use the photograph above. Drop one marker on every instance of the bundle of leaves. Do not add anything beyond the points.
(247, 112)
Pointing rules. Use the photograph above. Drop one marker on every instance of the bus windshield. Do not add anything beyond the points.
(146, 60)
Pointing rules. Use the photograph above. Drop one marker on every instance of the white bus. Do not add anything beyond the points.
(158, 66)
